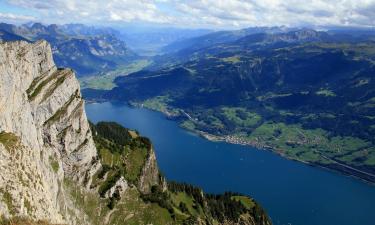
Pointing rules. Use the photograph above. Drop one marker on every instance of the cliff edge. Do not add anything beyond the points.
(44, 134)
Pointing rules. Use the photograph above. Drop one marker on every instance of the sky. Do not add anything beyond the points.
(212, 14)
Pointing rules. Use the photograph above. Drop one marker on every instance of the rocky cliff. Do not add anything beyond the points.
(44, 133)
(46, 141)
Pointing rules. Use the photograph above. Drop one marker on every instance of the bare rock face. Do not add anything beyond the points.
(44, 134)
(150, 174)
(120, 186)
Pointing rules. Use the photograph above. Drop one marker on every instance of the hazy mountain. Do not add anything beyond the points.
(238, 41)
(219, 37)
(85, 49)
(142, 40)
(92, 55)
(6, 36)
(84, 30)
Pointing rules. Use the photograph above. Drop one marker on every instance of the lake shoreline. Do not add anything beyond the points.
(333, 167)
(330, 167)
(217, 167)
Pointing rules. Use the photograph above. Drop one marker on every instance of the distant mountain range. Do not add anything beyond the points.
(87, 50)
(306, 94)
(252, 38)
(219, 37)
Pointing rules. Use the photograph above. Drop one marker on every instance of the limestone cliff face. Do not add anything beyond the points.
(150, 174)
(44, 134)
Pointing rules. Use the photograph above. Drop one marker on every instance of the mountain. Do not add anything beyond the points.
(145, 41)
(84, 30)
(353, 31)
(57, 168)
(92, 55)
(249, 39)
(219, 37)
(96, 50)
(304, 94)
(6, 36)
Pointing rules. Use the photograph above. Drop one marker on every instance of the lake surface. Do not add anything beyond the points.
(291, 192)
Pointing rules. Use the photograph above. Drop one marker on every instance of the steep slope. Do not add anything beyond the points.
(56, 167)
(90, 55)
(136, 193)
(44, 133)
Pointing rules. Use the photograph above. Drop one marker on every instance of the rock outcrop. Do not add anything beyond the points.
(119, 187)
(46, 140)
(149, 174)
(45, 137)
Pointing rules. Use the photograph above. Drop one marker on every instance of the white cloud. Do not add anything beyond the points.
(14, 18)
(206, 13)
(90, 11)
(282, 12)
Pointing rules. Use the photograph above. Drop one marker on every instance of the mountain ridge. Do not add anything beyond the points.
(96, 50)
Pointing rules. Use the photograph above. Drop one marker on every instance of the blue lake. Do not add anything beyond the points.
(291, 192)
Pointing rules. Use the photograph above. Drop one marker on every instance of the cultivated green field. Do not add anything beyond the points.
(105, 81)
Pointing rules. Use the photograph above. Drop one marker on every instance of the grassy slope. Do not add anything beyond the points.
(126, 159)
(131, 208)
(22, 221)
(158, 207)
(9, 140)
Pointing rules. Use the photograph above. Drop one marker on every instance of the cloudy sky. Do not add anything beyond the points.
(214, 14)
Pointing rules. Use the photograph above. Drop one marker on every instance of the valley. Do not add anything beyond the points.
(304, 94)
(105, 80)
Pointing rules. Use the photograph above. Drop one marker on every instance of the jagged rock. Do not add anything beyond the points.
(120, 186)
(42, 110)
(42, 113)
(150, 174)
